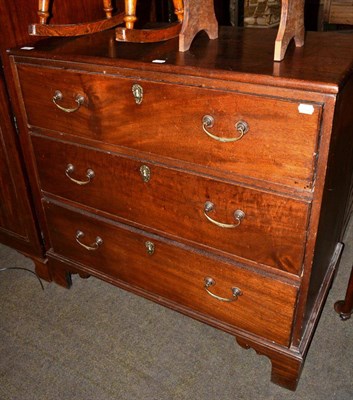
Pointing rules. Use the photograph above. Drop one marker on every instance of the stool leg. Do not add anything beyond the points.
(179, 9)
(107, 6)
(291, 27)
(43, 11)
(345, 307)
(130, 13)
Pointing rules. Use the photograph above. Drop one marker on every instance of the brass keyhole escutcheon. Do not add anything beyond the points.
(149, 248)
(145, 173)
(137, 92)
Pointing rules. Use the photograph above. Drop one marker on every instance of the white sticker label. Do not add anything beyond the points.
(306, 109)
(27, 48)
(159, 61)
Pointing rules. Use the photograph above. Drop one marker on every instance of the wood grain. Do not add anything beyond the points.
(284, 147)
(172, 202)
(291, 173)
(123, 256)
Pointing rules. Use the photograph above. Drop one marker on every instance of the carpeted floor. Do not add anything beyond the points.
(97, 342)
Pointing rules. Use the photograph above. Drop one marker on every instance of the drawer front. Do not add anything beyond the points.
(265, 307)
(280, 144)
(272, 232)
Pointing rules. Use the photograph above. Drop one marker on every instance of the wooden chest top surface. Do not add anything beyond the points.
(323, 64)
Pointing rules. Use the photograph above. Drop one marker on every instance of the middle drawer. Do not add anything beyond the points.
(246, 223)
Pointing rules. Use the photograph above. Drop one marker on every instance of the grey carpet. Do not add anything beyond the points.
(97, 342)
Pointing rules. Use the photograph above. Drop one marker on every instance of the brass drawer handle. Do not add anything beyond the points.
(91, 247)
(58, 96)
(236, 292)
(239, 215)
(89, 175)
(241, 126)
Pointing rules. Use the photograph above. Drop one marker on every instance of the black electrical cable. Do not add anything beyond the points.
(24, 269)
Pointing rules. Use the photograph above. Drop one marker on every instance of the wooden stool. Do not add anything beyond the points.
(193, 16)
(129, 34)
(130, 12)
(44, 29)
(345, 307)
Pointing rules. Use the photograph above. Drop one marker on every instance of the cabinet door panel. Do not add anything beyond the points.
(17, 224)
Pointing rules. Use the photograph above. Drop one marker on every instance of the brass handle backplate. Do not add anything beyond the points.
(239, 215)
(58, 96)
(236, 292)
(89, 175)
(208, 122)
(93, 246)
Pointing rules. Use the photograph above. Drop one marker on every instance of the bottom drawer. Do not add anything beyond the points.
(178, 274)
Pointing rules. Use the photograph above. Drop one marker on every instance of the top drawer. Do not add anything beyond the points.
(279, 146)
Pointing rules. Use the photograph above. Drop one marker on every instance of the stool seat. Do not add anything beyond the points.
(44, 29)
(193, 16)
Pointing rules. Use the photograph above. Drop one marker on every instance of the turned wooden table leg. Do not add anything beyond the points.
(179, 9)
(345, 307)
(43, 11)
(291, 27)
(130, 13)
(108, 8)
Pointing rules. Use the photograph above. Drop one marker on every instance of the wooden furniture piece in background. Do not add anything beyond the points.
(130, 34)
(193, 17)
(19, 227)
(345, 307)
(229, 210)
(338, 12)
(262, 13)
(291, 27)
(130, 12)
(82, 28)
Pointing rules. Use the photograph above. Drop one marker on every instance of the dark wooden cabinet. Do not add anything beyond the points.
(215, 181)
(19, 226)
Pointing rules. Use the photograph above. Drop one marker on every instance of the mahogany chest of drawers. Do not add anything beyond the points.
(214, 182)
